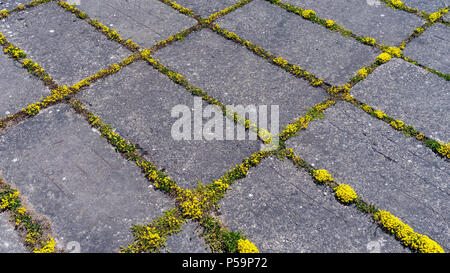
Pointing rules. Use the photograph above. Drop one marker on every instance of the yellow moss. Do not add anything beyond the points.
(322, 176)
(245, 246)
(394, 51)
(3, 13)
(383, 58)
(308, 14)
(49, 247)
(406, 234)
(345, 193)
(330, 23)
(444, 149)
(362, 72)
(380, 114)
(369, 41)
(397, 3)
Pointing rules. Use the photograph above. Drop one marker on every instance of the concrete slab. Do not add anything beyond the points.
(68, 48)
(139, 100)
(327, 55)
(145, 22)
(280, 209)
(90, 193)
(432, 48)
(18, 87)
(411, 94)
(236, 76)
(366, 18)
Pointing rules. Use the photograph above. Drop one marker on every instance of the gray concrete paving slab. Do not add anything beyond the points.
(366, 18)
(409, 93)
(67, 48)
(90, 193)
(327, 55)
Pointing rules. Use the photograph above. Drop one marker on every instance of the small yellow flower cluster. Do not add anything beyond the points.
(362, 73)
(367, 108)
(20, 7)
(380, 114)
(397, 3)
(330, 23)
(383, 58)
(433, 17)
(32, 109)
(3, 13)
(322, 176)
(397, 124)
(192, 203)
(2, 39)
(15, 52)
(345, 193)
(394, 51)
(444, 149)
(49, 246)
(338, 89)
(245, 246)
(406, 234)
(308, 14)
(8, 201)
(418, 31)
(131, 45)
(33, 67)
(369, 41)
(280, 61)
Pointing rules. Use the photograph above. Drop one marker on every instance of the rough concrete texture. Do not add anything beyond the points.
(67, 48)
(366, 18)
(411, 94)
(383, 166)
(91, 195)
(145, 22)
(9, 239)
(19, 88)
(281, 210)
(432, 48)
(233, 75)
(325, 54)
(140, 97)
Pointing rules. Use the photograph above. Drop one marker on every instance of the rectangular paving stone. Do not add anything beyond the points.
(396, 173)
(280, 209)
(9, 238)
(68, 48)
(145, 22)
(18, 87)
(366, 18)
(432, 48)
(205, 8)
(409, 93)
(236, 76)
(326, 54)
(427, 5)
(139, 100)
(70, 174)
